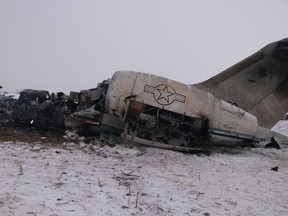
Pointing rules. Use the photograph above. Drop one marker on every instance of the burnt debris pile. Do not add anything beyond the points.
(39, 109)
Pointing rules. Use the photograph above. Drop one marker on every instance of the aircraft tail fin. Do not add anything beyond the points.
(258, 84)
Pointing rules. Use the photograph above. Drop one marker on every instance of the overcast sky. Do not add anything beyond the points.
(68, 45)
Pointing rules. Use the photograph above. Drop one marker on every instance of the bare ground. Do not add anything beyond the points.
(31, 135)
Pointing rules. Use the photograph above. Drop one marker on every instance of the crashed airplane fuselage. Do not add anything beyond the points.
(156, 111)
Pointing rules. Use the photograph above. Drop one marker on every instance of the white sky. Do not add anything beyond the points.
(72, 45)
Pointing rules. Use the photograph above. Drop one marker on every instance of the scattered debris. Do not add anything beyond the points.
(38, 109)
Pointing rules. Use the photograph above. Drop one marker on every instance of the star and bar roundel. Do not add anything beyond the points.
(164, 94)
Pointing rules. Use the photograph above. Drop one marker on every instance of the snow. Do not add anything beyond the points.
(86, 179)
(14, 95)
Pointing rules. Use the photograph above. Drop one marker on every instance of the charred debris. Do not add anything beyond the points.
(80, 112)
(40, 110)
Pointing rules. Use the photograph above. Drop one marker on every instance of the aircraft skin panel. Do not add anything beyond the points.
(232, 120)
(171, 95)
(251, 83)
(274, 107)
(115, 101)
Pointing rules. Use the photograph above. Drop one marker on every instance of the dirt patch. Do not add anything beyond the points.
(31, 135)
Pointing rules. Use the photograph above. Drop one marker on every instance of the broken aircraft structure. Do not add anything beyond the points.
(236, 107)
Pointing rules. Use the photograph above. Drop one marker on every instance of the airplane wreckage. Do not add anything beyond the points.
(236, 107)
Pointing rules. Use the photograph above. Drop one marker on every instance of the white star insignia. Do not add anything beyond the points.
(165, 94)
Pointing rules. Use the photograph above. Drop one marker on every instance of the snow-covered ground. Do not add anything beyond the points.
(85, 179)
